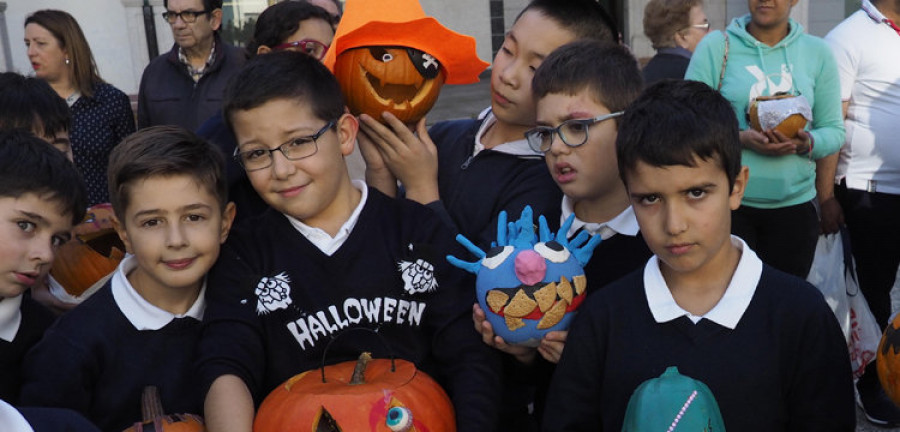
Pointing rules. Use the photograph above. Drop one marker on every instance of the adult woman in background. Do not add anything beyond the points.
(674, 27)
(765, 53)
(101, 113)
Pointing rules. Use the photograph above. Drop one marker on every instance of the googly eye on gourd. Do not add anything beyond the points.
(552, 251)
(399, 419)
(496, 256)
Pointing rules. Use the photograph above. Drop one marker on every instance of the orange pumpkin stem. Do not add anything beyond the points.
(359, 372)
(151, 406)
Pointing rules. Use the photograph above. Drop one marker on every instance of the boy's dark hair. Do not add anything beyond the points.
(284, 75)
(281, 20)
(30, 103)
(162, 151)
(29, 164)
(608, 71)
(674, 122)
(587, 19)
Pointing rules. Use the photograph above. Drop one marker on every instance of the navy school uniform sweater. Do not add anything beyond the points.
(784, 367)
(94, 361)
(276, 301)
(474, 189)
(36, 319)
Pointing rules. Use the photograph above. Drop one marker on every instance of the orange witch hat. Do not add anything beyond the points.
(404, 23)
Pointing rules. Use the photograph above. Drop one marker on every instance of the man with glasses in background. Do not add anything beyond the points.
(184, 86)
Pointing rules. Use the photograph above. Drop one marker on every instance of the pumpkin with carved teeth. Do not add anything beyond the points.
(377, 395)
(403, 81)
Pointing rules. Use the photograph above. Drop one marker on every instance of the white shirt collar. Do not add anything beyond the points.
(325, 242)
(11, 419)
(872, 11)
(624, 223)
(142, 314)
(10, 317)
(516, 148)
(730, 308)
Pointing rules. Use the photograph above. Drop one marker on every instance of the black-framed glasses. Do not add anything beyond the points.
(310, 47)
(572, 132)
(187, 16)
(257, 158)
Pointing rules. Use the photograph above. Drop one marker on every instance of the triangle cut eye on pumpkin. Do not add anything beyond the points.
(378, 395)
(403, 81)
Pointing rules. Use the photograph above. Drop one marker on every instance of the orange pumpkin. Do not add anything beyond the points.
(93, 253)
(157, 421)
(789, 126)
(887, 360)
(403, 81)
(365, 395)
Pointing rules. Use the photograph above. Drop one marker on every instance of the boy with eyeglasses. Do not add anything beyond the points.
(764, 342)
(581, 90)
(331, 255)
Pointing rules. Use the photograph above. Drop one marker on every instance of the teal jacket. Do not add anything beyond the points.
(799, 63)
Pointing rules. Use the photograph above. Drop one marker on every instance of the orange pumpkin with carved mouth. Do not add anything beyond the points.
(378, 395)
(403, 81)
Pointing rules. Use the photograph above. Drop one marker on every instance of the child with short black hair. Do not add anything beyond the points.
(765, 342)
(30, 103)
(42, 196)
(580, 90)
(329, 256)
(171, 210)
(470, 170)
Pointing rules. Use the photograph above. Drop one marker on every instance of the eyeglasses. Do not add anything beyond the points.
(310, 47)
(187, 16)
(258, 158)
(572, 132)
(704, 26)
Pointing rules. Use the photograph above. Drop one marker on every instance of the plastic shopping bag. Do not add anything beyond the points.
(833, 272)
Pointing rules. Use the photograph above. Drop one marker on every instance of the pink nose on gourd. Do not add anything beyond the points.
(530, 267)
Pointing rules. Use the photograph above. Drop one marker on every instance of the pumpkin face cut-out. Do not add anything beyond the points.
(94, 252)
(403, 81)
(358, 396)
(887, 360)
(528, 286)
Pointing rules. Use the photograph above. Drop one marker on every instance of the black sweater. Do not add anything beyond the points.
(275, 301)
(35, 321)
(783, 368)
(94, 361)
(475, 189)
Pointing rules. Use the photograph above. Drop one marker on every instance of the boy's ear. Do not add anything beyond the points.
(227, 220)
(120, 230)
(740, 185)
(263, 49)
(347, 128)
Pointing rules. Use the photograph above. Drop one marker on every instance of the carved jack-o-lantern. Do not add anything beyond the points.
(887, 359)
(366, 395)
(92, 254)
(403, 81)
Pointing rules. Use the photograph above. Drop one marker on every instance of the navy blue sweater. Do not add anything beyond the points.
(35, 321)
(275, 301)
(475, 189)
(784, 367)
(95, 362)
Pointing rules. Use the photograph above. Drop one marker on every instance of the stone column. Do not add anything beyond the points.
(5, 50)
